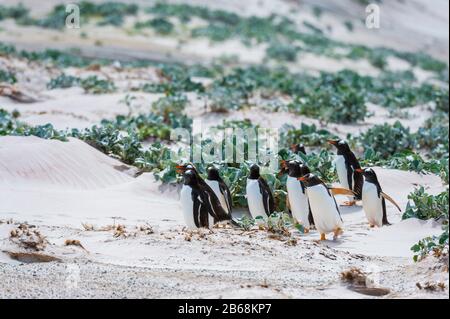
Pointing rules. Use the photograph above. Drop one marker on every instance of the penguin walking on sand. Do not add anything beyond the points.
(259, 196)
(324, 208)
(346, 166)
(194, 201)
(298, 199)
(218, 212)
(374, 199)
(220, 188)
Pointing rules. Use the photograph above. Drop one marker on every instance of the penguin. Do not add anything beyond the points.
(259, 196)
(194, 202)
(374, 200)
(346, 165)
(298, 199)
(327, 217)
(298, 148)
(220, 188)
(216, 210)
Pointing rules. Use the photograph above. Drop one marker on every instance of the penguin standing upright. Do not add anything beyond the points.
(346, 166)
(327, 217)
(298, 199)
(194, 202)
(374, 200)
(216, 210)
(220, 188)
(259, 196)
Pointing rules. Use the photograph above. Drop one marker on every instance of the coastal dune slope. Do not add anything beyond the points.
(71, 182)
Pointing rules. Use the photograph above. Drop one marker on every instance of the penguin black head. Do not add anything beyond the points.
(294, 168)
(190, 178)
(310, 180)
(182, 168)
(304, 169)
(369, 175)
(213, 174)
(254, 172)
(298, 148)
(341, 146)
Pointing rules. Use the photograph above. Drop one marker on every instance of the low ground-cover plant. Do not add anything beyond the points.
(63, 81)
(95, 85)
(7, 77)
(425, 206)
(108, 13)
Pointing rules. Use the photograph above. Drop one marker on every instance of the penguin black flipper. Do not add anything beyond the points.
(356, 178)
(213, 206)
(226, 194)
(349, 169)
(311, 217)
(200, 210)
(385, 221)
(358, 184)
(268, 201)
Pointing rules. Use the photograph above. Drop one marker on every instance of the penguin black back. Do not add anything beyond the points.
(199, 199)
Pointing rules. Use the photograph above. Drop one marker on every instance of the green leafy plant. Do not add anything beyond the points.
(63, 81)
(7, 77)
(427, 206)
(95, 85)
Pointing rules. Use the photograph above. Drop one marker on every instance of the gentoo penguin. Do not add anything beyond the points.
(324, 208)
(346, 165)
(298, 148)
(373, 198)
(220, 188)
(298, 199)
(194, 202)
(259, 196)
(216, 210)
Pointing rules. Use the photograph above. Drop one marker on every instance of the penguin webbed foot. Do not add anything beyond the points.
(337, 233)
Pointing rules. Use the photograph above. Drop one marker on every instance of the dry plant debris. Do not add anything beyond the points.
(28, 237)
(74, 242)
(356, 280)
(431, 286)
(120, 230)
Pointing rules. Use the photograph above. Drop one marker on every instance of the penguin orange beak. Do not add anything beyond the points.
(359, 170)
(180, 169)
(303, 178)
(332, 142)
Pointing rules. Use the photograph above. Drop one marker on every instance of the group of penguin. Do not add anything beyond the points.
(310, 201)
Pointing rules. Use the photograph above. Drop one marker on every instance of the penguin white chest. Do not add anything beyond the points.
(372, 204)
(341, 170)
(324, 210)
(187, 205)
(216, 188)
(298, 201)
(255, 199)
